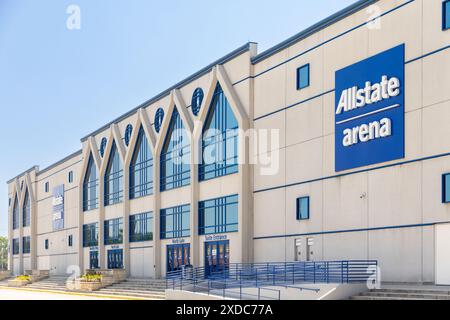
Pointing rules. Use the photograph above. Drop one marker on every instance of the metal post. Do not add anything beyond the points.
(293, 274)
(259, 293)
(274, 272)
(327, 272)
(314, 273)
(347, 271)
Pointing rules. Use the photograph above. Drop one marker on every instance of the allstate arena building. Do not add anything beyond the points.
(333, 145)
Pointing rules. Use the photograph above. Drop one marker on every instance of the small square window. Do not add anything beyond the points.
(47, 187)
(303, 77)
(303, 208)
(446, 188)
(46, 244)
(446, 15)
(70, 176)
(70, 241)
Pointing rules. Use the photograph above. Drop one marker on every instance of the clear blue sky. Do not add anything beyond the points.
(58, 85)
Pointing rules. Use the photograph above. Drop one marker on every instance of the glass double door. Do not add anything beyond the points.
(93, 260)
(217, 257)
(178, 255)
(115, 259)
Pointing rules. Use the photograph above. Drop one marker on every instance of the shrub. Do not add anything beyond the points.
(23, 278)
(92, 277)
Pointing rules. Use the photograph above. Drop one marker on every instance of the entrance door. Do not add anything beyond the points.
(93, 260)
(442, 262)
(178, 255)
(309, 249)
(217, 257)
(298, 250)
(115, 259)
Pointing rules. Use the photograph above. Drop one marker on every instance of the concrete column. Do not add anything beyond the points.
(195, 252)
(126, 218)
(156, 218)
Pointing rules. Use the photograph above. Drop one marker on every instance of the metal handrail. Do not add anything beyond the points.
(246, 275)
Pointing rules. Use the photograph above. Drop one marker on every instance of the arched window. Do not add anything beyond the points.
(219, 139)
(175, 156)
(16, 214)
(141, 168)
(90, 187)
(114, 178)
(26, 210)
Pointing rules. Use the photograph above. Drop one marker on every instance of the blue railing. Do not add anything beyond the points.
(259, 275)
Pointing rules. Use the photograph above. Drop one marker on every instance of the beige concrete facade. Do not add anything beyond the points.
(388, 211)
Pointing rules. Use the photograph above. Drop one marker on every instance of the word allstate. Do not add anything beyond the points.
(355, 98)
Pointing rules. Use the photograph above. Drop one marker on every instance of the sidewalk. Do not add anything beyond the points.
(13, 294)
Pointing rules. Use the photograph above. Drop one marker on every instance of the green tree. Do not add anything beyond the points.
(3, 253)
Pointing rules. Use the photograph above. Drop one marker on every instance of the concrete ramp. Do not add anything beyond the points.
(295, 292)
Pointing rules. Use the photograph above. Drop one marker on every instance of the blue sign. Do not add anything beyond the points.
(369, 109)
(58, 208)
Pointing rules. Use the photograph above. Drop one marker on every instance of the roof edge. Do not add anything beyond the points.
(357, 6)
(23, 173)
(52, 166)
(237, 52)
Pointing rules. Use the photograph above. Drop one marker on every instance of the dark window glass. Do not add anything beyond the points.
(303, 77)
(26, 245)
(197, 99)
(15, 246)
(47, 187)
(70, 241)
(103, 145)
(46, 244)
(219, 139)
(128, 133)
(90, 187)
(141, 168)
(114, 178)
(446, 188)
(113, 231)
(16, 214)
(159, 117)
(141, 227)
(218, 215)
(26, 214)
(90, 235)
(303, 208)
(175, 222)
(446, 15)
(175, 156)
(70, 176)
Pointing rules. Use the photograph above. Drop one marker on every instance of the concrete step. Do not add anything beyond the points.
(127, 285)
(404, 294)
(138, 289)
(132, 294)
(413, 291)
(364, 297)
(420, 295)
(112, 289)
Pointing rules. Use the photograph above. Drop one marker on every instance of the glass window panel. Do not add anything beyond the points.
(218, 215)
(219, 140)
